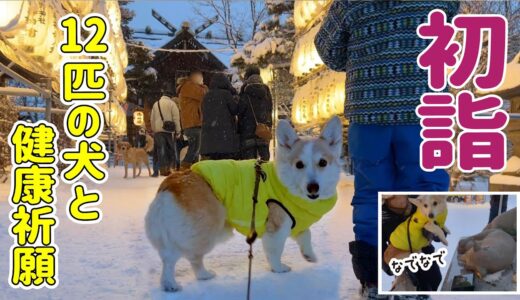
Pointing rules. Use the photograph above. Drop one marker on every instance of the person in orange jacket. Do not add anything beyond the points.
(191, 92)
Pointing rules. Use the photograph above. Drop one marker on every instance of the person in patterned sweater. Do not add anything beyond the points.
(376, 44)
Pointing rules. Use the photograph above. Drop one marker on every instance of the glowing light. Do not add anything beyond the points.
(319, 99)
(305, 57)
(306, 11)
(138, 118)
(30, 37)
(11, 12)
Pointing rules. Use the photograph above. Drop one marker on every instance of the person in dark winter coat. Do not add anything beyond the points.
(219, 138)
(255, 105)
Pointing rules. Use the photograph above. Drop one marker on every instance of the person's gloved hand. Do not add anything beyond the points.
(432, 237)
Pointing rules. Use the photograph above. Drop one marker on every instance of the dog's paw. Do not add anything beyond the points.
(283, 268)
(205, 275)
(310, 257)
(171, 287)
(446, 230)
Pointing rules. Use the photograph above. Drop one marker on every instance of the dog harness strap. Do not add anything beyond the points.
(251, 237)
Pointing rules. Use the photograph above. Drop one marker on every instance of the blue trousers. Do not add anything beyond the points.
(386, 158)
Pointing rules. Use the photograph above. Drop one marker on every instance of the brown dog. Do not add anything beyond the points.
(134, 156)
(118, 156)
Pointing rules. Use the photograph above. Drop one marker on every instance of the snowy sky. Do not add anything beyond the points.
(175, 11)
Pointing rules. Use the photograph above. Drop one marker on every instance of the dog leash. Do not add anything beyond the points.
(251, 237)
(408, 234)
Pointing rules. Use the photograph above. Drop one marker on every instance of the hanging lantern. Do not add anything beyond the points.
(305, 57)
(80, 8)
(30, 37)
(319, 98)
(138, 118)
(306, 11)
(295, 110)
(305, 112)
(12, 13)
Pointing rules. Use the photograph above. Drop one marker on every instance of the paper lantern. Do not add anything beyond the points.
(306, 11)
(12, 13)
(319, 99)
(138, 118)
(81, 8)
(305, 56)
(30, 37)
(33, 30)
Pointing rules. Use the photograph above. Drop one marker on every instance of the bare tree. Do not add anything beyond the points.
(235, 25)
(509, 9)
(258, 13)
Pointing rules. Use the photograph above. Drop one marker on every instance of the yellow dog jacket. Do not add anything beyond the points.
(233, 184)
(399, 237)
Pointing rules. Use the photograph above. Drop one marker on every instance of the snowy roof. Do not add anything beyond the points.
(185, 39)
(511, 85)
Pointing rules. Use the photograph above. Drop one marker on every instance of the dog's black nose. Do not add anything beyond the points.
(313, 188)
(430, 216)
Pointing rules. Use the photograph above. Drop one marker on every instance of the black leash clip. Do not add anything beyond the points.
(259, 171)
(251, 237)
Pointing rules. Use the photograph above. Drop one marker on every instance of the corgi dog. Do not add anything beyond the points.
(435, 208)
(195, 209)
(420, 228)
(135, 156)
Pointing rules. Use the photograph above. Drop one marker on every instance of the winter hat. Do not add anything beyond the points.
(251, 70)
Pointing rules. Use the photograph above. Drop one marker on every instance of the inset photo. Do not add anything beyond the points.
(448, 243)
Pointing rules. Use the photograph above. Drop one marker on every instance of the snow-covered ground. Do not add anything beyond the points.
(113, 259)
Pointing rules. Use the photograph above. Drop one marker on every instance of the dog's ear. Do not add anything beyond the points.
(415, 201)
(332, 133)
(285, 134)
